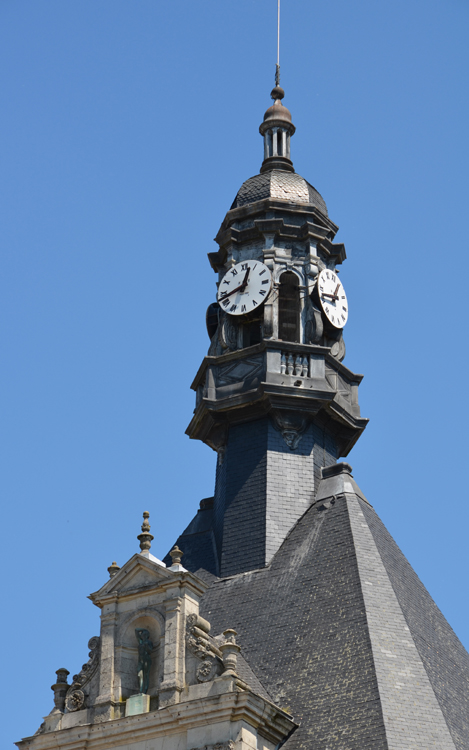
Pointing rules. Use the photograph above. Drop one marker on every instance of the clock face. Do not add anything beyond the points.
(333, 299)
(244, 287)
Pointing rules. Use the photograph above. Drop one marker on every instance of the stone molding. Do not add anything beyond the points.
(232, 708)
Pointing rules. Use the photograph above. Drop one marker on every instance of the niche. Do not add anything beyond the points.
(127, 656)
(289, 308)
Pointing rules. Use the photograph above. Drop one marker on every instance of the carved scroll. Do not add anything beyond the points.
(76, 698)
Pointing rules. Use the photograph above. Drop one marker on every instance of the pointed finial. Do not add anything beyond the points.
(113, 569)
(176, 555)
(145, 538)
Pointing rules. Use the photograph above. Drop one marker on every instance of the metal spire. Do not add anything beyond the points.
(277, 67)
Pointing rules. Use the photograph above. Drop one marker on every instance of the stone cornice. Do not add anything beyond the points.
(268, 719)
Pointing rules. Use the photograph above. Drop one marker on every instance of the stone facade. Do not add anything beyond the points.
(196, 697)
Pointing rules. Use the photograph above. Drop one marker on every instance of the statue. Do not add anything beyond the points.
(145, 647)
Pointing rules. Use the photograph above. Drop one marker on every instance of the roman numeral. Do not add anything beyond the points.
(333, 278)
(226, 282)
(233, 308)
(243, 308)
(254, 303)
(234, 272)
(343, 316)
(226, 302)
(262, 272)
(321, 287)
(327, 275)
(263, 292)
(344, 308)
(266, 281)
(244, 267)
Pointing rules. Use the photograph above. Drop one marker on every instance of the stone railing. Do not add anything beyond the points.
(294, 364)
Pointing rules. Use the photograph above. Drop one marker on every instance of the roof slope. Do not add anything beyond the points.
(279, 184)
(302, 627)
(445, 659)
(341, 632)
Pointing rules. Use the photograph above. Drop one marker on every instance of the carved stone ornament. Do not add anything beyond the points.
(196, 642)
(229, 745)
(314, 326)
(338, 348)
(75, 700)
(205, 671)
(83, 677)
(228, 334)
(292, 428)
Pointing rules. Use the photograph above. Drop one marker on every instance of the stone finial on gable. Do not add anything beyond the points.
(145, 538)
(60, 688)
(176, 555)
(113, 569)
(230, 651)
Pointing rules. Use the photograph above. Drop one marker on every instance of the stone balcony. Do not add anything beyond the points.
(276, 376)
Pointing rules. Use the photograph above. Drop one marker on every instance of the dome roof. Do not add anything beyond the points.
(278, 112)
(277, 183)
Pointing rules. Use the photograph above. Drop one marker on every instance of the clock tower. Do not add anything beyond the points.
(272, 396)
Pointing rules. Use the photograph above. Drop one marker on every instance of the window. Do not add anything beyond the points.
(289, 308)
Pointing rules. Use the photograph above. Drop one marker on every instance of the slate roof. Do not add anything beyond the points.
(282, 185)
(341, 632)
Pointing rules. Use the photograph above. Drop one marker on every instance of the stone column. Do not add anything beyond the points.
(274, 141)
(106, 699)
(173, 657)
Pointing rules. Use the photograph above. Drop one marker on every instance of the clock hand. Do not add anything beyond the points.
(240, 288)
(245, 280)
(224, 296)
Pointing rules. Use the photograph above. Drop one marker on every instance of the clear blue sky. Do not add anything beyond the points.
(126, 130)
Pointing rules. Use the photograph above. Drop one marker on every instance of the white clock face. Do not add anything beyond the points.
(333, 299)
(244, 287)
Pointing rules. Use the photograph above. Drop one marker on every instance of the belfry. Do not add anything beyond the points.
(285, 614)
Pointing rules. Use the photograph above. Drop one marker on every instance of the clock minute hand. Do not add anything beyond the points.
(245, 280)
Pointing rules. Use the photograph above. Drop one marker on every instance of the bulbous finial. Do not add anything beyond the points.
(145, 538)
(277, 93)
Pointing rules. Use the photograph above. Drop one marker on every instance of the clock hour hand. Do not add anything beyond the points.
(332, 296)
(233, 291)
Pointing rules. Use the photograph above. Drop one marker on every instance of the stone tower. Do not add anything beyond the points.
(294, 619)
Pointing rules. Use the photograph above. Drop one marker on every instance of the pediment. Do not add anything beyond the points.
(137, 573)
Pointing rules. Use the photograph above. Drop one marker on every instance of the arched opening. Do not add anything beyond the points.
(289, 308)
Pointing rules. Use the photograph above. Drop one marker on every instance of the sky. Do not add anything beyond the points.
(126, 130)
